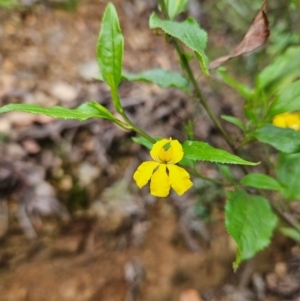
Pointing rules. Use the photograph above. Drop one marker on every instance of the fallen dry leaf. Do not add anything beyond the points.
(256, 36)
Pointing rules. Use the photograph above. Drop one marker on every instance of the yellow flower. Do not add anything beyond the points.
(163, 172)
(287, 120)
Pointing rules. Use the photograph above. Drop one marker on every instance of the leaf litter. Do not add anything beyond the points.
(92, 237)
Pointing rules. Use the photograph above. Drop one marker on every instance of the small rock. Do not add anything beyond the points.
(66, 183)
(271, 280)
(66, 245)
(34, 174)
(259, 286)
(69, 289)
(31, 146)
(5, 126)
(189, 295)
(280, 269)
(20, 119)
(88, 70)
(7, 83)
(77, 288)
(44, 189)
(87, 173)
(63, 92)
(43, 99)
(15, 152)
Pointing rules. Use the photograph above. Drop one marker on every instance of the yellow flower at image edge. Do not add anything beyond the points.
(287, 120)
(163, 172)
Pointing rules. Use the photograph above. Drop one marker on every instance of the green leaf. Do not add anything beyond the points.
(226, 172)
(288, 173)
(250, 221)
(9, 4)
(110, 48)
(160, 77)
(234, 120)
(261, 181)
(283, 139)
(143, 141)
(283, 70)
(189, 32)
(239, 87)
(86, 110)
(186, 162)
(200, 151)
(175, 7)
(290, 232)
(287, 100)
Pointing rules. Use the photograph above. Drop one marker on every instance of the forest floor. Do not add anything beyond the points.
(114, 242)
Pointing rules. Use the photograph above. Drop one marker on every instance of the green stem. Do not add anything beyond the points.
(122, 124)
(121, 111)
(196, 174)
(200, 97)
(135, 128)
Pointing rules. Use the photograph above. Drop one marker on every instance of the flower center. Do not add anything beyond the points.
(165, 154)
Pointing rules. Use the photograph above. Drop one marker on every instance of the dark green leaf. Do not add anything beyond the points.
(250, 221)
(200, 151)
(83, 112)
(160, 77)
(110, 48)
(288, 173)
(287, 100)
(261, 181)
(189, 32)
(284, 139)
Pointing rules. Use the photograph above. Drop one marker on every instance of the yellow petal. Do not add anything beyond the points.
(156, 148)
(280, 120)
(293, 121)
(287, 120)
(179, 179)
(144, 172)
(160, 184)
(171, 155)
(177, 151)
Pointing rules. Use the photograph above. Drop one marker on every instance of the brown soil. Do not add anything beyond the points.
(84, 259)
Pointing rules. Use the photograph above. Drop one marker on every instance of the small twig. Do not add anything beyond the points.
(291, 294)
(4, 213)
(190, 241)
(246, 274)
(25, 222)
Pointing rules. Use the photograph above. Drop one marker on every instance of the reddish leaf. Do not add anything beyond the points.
(256, 36)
